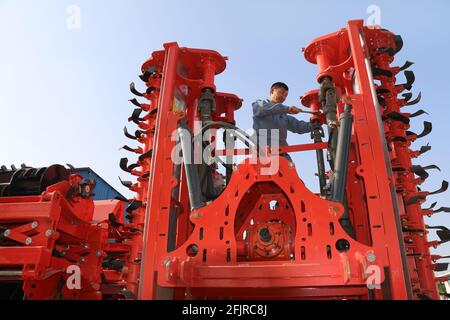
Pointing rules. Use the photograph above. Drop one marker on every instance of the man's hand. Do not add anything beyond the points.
(294, 110)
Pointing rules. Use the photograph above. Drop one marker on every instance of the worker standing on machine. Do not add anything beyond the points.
(272, 114)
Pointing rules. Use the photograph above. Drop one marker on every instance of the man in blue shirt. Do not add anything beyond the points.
(272, 114)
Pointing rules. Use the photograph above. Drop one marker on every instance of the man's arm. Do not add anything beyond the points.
(298, 126)
(263, 108)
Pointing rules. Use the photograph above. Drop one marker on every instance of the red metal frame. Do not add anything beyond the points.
(49, 233)
(216, 230)
(266, 235)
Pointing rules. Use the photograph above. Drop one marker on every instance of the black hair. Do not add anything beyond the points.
(277, 85)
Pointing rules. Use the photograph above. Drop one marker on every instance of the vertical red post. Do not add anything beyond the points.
(161, 167)
(378, 176)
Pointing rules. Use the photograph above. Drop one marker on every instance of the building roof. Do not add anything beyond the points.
(100, 178)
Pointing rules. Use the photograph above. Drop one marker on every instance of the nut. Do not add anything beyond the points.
(371, 257)
(196, 215)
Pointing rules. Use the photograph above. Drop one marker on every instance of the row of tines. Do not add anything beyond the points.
(409, 177)
(144, 117)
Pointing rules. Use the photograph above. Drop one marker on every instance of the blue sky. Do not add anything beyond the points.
(63, 93)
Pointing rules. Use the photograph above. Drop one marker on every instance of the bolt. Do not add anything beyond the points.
(196, 215)
(167, 263)
(371, 257)
(7, 233)
(48, 233)
(28, 241)
(85, 246)
(63, 253)
(82, 260)
(34, 225)
(98, 253)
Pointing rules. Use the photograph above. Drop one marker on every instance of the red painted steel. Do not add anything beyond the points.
(266, 235)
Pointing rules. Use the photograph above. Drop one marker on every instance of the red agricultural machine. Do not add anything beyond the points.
(192, 232)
